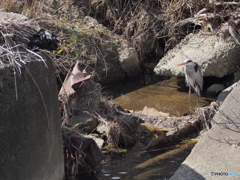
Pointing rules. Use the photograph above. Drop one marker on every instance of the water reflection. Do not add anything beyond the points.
(116, 178)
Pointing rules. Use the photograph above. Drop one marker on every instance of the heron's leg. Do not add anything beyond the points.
(189, 92)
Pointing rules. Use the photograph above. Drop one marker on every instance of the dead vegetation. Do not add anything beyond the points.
(143, 23)
(73, 153)
(146, 23)
(81, 100)
(83, 96)
(154, 26)
(151, 27)
(82, 155)
(14, 50)
(138, 21)
(14, 39)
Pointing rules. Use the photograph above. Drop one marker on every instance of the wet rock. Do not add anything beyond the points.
(221, 97)
(155, 142)
(98, 141)
(87, 126)
(215, 88)
(80, 153)
(218, 149)
(151, 136)
(215, 58)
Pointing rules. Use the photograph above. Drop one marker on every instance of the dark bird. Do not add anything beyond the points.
(193, 77)
(40, 40)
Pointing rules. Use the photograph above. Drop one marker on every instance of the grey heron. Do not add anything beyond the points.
(193, 77)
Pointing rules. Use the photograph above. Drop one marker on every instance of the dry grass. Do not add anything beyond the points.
(90, 43)
(14, 39)
(74, 158)
(184, 17)
(174, 29)
(29, 8)
(143, 23)
(138, 21)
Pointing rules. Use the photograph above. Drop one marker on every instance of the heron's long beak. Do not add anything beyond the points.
(180, 64)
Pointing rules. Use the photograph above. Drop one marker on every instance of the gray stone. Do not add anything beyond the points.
(30, 130)
(236, 76)
(215, 58)
(87, 126)
(129, 60)
(215, 88)
(221, 97)
(218, 150)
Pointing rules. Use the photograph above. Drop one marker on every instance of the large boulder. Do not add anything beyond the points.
(30, 129)
(31, 139)
(128, 59)
(218, 151)
(215, 88)
(215, 57)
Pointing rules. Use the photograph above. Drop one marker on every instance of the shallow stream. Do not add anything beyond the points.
(139, 164)
(166, 96)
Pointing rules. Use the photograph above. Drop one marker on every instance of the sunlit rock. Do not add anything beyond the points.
(216, 58)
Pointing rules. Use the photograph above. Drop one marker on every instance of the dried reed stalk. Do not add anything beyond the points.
(14, 38)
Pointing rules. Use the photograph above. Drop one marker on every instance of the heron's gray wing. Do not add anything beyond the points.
(194, 79)
(198, 82)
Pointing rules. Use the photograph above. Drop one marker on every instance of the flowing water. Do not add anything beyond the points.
(139, 164)
(166, 96)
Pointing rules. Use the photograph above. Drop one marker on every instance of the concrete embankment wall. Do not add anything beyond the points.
(30, 131)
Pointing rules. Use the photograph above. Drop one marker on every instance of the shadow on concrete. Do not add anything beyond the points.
(186, 173)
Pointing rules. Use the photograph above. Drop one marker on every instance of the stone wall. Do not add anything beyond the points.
(30, 131)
